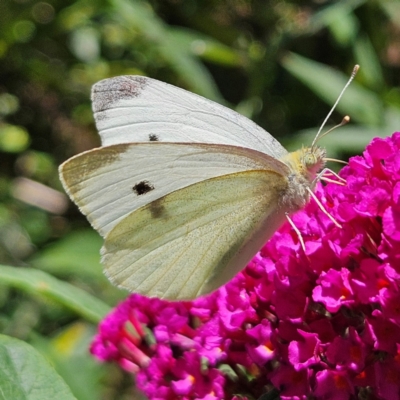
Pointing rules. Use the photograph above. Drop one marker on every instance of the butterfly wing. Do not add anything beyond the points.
(109, 183)
(139, 109)
(191, 241)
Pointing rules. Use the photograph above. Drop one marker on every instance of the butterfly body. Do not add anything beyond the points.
(183, 190)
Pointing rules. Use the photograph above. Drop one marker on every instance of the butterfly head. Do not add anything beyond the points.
(304, 165)
(313, 159)
(306, 162)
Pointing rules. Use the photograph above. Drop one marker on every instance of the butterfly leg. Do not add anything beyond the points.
(340, 180)
(320, 176)
(323, 209)
(298, 233)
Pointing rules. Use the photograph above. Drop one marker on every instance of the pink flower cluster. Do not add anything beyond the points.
(324, 323)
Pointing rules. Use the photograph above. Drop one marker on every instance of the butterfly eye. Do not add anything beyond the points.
(309, 159)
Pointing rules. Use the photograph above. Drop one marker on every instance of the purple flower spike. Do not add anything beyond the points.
(320, 324)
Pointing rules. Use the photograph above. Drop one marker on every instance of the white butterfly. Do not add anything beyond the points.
(183, 190)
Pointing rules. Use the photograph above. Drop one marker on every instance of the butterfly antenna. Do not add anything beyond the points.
(317, 137)
(345, 120)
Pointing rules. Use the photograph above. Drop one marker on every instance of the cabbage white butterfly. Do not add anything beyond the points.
(183, 190)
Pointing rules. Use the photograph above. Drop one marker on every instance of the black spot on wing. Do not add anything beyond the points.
(109, 91)
(143, 187)
(153, 137)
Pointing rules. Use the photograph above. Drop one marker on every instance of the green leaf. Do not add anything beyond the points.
(137, 15)
(77, 253)
(206, 47)
(344, 27)
(26, 375)
(392, 10)
(332, 14)
(9, 104)
(362, 105)
(13, 138)
(371, 69)
(39, 283)
(392, 120)
(68, 353)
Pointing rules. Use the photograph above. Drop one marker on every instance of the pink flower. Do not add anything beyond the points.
(390, 302)
(261, 349)
(194, 381)
(304, 352)
(292, 384)
(387, 377)
(334, 289)
(347, 353)
(368, 280)
(333, 385)
(323, 323)
(385, 332)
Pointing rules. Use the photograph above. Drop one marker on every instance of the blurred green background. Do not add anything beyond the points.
(281, 63)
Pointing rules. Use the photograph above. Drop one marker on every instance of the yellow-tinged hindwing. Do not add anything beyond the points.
(197, 236)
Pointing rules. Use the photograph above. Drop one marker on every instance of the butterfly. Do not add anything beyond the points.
(183, 190)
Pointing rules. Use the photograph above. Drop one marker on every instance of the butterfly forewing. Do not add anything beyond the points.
(195, 239)
(139, 109)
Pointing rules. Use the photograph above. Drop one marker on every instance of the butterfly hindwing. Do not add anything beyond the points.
(195, 239)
